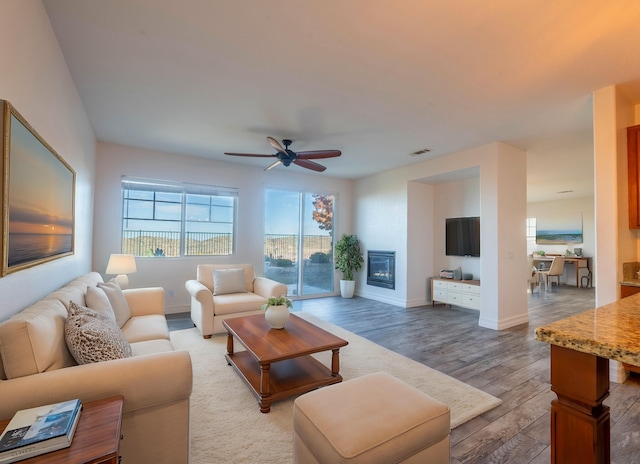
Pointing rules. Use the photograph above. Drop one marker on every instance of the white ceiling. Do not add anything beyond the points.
(374, 78)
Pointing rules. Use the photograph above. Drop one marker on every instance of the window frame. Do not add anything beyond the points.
(182, 233)
(531, 226)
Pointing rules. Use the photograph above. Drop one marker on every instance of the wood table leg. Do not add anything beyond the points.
(335, 362)
(580, 423)
(230, 344)
(265, 388)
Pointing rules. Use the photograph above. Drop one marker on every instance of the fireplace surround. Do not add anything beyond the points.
(381, 267)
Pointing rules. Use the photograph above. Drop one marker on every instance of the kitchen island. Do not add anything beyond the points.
(581, 347)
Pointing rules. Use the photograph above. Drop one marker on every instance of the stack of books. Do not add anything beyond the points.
(40, 430)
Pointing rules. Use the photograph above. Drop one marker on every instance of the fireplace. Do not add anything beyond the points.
(381, 269)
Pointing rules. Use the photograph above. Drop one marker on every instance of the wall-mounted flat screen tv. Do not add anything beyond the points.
(463, 236)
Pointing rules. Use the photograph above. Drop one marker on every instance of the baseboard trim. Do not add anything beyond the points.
(177, 309)
(417, 302)
(503, 323)
(617, 372)
(381, 299)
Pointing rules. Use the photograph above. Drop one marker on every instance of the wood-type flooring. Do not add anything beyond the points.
(509, 364)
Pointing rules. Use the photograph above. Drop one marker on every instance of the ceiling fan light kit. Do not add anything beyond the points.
(285, 156)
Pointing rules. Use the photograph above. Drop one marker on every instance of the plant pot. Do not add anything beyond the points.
(277, 316)
(347, 288)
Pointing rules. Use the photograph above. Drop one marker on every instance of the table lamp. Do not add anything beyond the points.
(121, 265)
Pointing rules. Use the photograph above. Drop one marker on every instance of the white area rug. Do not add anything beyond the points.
(228, 427)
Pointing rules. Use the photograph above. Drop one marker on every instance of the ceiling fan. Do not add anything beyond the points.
(286, 156)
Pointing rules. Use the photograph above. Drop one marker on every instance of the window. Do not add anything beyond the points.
(173, 219)
(531, 235)
(531, 228)
(298, 241)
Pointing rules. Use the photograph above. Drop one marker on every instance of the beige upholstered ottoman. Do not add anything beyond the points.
(371, 419)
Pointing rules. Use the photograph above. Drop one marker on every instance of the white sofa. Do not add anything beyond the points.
(208, 310)
(37, 368)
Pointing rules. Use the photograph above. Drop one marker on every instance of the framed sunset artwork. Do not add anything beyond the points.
(37, 197)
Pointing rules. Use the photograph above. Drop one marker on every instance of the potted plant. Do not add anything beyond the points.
(276, 311)
(348, 259)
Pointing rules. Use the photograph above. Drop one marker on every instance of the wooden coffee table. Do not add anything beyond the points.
(278, 363)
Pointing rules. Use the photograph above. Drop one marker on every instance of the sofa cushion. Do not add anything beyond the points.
(87, 280)
(227, 281)
(32, 341)
(97, 300)
(151, 347)
(70, 293)
(118, 301)
(150, 327)
(237, 303)
(204, 274)
(94, 337)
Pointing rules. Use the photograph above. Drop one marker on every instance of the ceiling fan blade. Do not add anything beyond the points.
(275, 144)
(273, 165)
(309, 165)
(250, 154)
(318, 154)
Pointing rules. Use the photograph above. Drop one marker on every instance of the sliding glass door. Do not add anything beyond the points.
(298, 241)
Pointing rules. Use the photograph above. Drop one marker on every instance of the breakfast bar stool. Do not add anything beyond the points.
(373, 419)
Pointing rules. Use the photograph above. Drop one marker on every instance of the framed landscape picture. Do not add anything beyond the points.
(559, 229)
(37, 197)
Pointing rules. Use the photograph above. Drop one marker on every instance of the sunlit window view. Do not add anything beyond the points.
(171, 220)
(531, 234)
(298, 242)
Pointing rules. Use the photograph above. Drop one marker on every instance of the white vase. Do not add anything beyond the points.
(347, 288)
(277, 316)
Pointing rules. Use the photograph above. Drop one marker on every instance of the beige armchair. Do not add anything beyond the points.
(222, 291)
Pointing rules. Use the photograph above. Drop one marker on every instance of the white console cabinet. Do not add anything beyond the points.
(463, 293)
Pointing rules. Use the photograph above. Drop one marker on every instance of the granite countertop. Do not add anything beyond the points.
(611, 331)
(630, 274)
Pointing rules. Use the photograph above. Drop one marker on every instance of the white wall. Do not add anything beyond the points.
(429, 204)
(421, 235)
(615, 243)
(381, 224)
(389, 217)
(503, 196)
(558, 208)
(455, 199)
(35, 79)
(115, 161)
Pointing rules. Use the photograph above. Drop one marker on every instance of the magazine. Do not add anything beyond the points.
(39, 430)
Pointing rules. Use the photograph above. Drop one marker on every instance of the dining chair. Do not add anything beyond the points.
(555, 270)
(534, 279)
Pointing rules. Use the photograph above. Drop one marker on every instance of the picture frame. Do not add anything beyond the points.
(38, 197)
(559, 229)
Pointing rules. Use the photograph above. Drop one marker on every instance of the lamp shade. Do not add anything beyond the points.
(121, 264)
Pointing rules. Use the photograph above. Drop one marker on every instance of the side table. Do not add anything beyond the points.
(97, 437)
